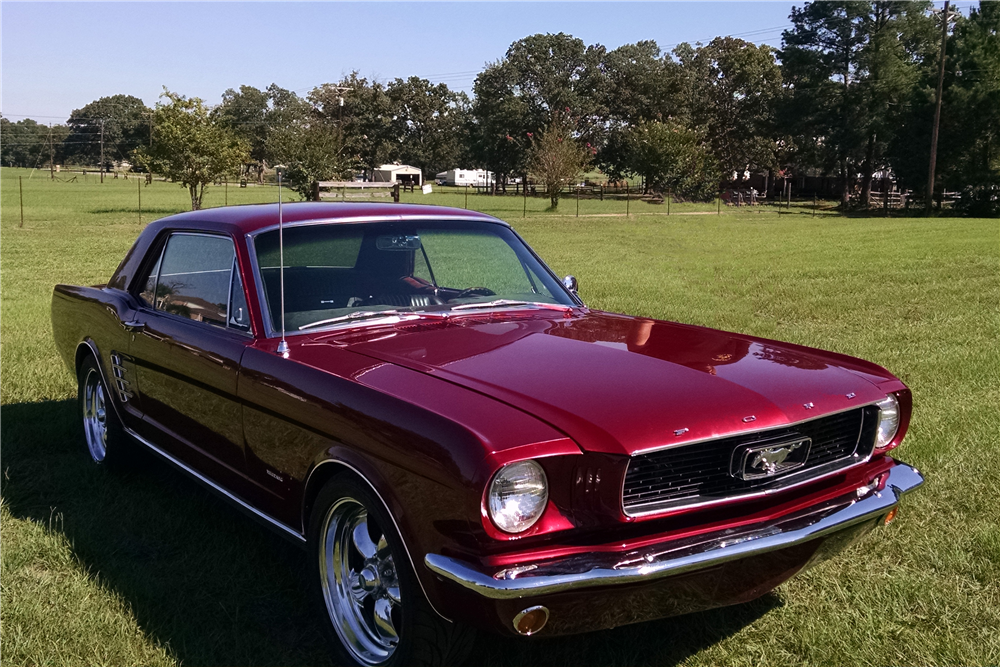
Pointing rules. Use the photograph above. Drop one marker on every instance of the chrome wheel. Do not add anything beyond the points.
(360, 582)
(95, 416)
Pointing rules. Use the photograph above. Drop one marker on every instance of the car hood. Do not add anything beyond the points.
(622, 384)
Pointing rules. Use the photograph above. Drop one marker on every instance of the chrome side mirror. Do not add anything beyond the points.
(570, 283)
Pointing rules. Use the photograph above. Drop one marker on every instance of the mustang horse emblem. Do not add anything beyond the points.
(768, 460)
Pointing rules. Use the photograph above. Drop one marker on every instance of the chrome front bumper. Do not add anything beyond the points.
(866, 505)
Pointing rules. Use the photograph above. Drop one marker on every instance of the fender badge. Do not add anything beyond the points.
(851, 395)
(750, 418)
(808, 406)
(681, 431)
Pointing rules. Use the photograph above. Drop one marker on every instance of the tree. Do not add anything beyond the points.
(24, 143)
(670, 156)
(973, 163)
(556, 157)
(189, 147)
(311, 151)
(499, 124)
(126, 126)
(847, 65)
(641, 84)
(254, 115)
(553, 73)
(429, 123)
(968, 159)
(539, 75)
(734, 86)
(362, 110)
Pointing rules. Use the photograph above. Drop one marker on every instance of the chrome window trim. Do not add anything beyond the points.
(270, 332)
(236, 270)
(795, 479)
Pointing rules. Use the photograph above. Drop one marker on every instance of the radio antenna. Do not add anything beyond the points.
(283, 345)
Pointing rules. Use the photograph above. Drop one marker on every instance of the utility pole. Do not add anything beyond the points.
(52, 156)
(937, 110)
(102, 150)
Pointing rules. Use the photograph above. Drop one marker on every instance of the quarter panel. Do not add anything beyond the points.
(95, 315)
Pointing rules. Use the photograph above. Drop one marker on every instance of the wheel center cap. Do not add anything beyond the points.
(369, 578)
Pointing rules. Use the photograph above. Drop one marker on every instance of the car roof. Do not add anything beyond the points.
(253, 217)
(247, 219)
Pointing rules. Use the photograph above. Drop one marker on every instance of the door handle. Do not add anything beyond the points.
(134, 325)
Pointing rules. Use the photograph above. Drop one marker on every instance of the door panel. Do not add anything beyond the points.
(186, 348)
(187, 376)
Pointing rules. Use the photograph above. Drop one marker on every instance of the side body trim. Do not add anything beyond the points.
(284, 530)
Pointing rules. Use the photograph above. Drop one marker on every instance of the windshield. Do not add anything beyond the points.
(394, 268)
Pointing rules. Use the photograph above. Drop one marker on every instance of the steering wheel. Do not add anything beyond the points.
(474, 291)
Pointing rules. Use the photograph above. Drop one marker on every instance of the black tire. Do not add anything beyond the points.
(355, 592)
(103, 434)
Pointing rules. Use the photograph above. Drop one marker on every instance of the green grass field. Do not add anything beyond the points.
(143, 567)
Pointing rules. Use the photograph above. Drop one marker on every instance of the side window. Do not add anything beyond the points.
(239, 316)
(195, 277)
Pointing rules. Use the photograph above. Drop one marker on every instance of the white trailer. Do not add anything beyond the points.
(463, 177)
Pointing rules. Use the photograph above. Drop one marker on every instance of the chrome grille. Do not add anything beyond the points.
(702, 472)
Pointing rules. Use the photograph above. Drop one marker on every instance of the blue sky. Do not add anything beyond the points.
(60, 56)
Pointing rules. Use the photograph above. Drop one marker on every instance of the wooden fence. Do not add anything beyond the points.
(344, 190)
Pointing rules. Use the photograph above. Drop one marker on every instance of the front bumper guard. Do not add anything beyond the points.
(867, 504)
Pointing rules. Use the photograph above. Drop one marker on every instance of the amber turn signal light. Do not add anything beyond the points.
(531, 620)
(890, 516)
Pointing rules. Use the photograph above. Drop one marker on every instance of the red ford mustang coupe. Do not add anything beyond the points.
(458, 441)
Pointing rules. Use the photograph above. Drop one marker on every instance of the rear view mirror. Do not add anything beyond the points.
(398, 242)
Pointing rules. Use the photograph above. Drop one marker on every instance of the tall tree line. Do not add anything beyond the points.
(850, 94)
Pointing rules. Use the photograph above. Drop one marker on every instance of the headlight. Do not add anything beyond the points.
(518, 494)
(888, 421)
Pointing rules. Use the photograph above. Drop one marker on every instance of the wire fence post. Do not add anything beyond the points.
(814, 204)
(669, 197)
(627, 199)
(138, 184)
(227, 191)
(466, 196)
(578, 201)
(720, 203)
(20, 189)
(524, 193)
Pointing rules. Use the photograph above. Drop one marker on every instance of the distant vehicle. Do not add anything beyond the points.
(463, 177)
(413, 396)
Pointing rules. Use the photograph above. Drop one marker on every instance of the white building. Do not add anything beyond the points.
(404, 173)
(464, 177)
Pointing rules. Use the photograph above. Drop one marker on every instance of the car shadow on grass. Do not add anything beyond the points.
(214, 588)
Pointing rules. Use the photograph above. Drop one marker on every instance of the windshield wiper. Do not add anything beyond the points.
(490, 304)
(358, 315)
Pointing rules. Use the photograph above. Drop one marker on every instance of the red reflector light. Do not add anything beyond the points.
(890, 516)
